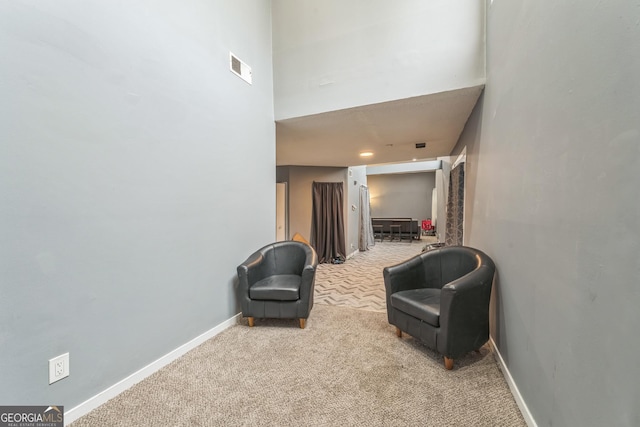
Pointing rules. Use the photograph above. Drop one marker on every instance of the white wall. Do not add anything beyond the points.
(335, 54)
(136, 173)
(553, 154)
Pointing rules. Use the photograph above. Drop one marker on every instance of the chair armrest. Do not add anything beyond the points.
(468, 294)
(311, 261)
(464, 311)
(404, 276)
(307, 281)
(308, 272)
(251, 271)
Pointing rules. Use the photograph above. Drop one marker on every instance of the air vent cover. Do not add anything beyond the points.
(421, 144)
(239, 68)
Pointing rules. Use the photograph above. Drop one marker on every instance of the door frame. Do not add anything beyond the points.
(282, 210)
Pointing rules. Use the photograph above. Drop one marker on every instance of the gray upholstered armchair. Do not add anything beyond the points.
(277, 281)
(441, 297)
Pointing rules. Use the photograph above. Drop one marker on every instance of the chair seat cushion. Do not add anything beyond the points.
(281, 287)
(423, 304)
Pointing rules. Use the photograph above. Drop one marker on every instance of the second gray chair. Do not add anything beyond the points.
(441, 297)
(277, 281)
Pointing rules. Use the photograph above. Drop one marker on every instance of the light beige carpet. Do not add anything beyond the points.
(347, 368)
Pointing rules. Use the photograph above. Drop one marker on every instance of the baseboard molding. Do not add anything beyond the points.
(111, 392)
(528, 418)
(352, 253)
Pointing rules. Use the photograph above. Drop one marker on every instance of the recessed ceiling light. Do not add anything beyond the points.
(414, 160)
(366, 154)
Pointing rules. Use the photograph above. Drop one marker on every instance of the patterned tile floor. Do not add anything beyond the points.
(358, 283)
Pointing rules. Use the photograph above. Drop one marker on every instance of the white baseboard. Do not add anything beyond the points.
(353, 253)
(122, 385)
(528, 418)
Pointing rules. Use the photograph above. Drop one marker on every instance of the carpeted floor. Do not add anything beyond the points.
(358, 283)
(347, 368)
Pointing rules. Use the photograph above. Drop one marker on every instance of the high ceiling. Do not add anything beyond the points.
(390, 130)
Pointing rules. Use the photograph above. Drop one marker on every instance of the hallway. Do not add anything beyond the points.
(358, 283)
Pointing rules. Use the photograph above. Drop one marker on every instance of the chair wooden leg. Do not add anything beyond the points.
(448, 363)
(250, 319)
(303, 323)
(398, 332)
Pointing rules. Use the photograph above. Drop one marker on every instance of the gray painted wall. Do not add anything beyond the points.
(553, 153)
(335, 54)
(405, 195)
(137, 173)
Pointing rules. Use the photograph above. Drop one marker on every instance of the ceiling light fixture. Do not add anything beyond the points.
(366, 154)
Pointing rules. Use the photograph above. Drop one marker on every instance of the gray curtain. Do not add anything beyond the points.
(327, 223)
(455, 207)
(365, 229)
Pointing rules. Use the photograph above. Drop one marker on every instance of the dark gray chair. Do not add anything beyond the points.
(441, 297)
(277, 281)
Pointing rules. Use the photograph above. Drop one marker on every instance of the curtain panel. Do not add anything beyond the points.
(365, 229)
(327, 221)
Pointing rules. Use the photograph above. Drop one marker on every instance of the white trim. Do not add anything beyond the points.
(526, 414)
(353, 253)
(92, 403)
(462, 158)
(425, 166)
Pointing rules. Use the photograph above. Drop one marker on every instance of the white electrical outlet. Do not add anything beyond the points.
(58, 368)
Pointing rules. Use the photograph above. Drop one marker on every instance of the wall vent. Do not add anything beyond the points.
(421, 144)
(239, 68)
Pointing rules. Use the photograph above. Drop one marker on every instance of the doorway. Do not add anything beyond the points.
(327, 222)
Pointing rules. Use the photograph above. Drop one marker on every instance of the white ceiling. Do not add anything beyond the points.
(389, 129)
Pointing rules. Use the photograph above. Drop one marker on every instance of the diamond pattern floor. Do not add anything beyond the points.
(358, 283)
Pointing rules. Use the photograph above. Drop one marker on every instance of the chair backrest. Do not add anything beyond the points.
(448, 263)
(287, 257)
